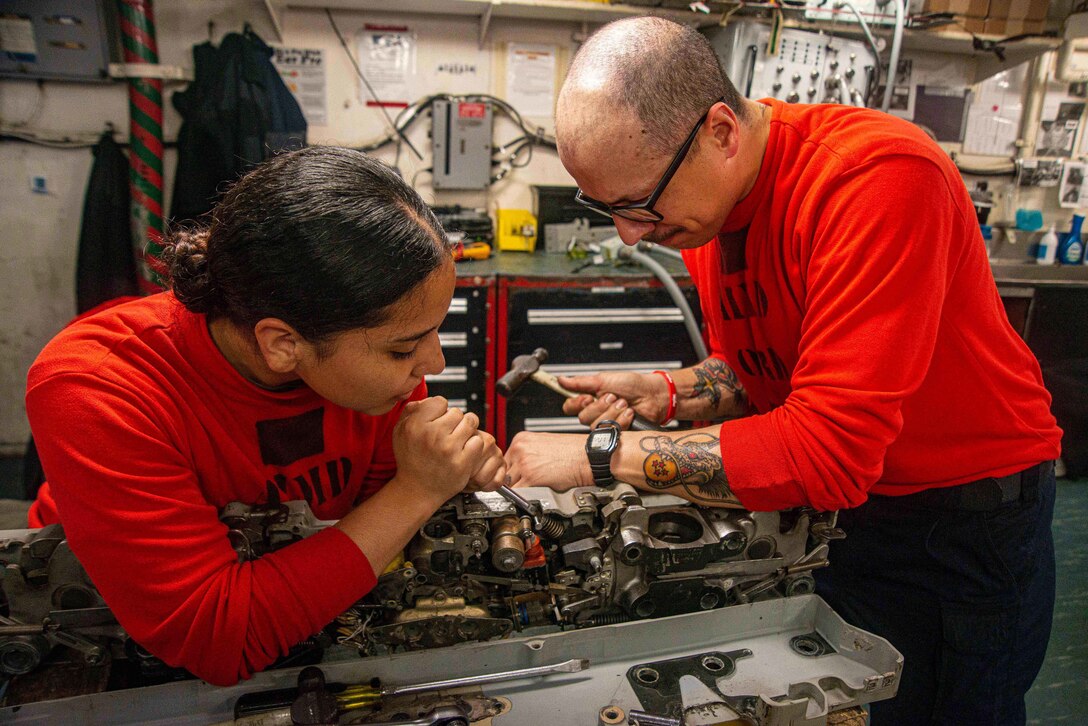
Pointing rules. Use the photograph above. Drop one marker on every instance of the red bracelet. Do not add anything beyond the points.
(671, 413)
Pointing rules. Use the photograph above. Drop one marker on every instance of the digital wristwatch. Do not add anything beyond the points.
(602, 441)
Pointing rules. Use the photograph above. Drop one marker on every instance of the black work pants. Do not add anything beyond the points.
(963, 589)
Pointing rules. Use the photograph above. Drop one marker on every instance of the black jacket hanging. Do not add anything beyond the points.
(236, 113)
(106, 262)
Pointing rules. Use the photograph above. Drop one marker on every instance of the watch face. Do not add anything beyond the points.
(600, 439)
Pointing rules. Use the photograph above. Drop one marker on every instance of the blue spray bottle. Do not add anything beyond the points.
(1071, 249)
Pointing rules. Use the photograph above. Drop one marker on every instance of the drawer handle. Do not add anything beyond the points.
(582, 316)
(452, 374)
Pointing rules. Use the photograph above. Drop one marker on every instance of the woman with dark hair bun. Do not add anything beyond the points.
(286, 363)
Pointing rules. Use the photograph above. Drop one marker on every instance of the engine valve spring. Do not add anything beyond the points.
(605, 619)
(552, 528)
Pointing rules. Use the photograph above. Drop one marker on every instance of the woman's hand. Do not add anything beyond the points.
(439, 449)
(491, 473)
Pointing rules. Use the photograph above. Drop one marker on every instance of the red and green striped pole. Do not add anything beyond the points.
(145, 136)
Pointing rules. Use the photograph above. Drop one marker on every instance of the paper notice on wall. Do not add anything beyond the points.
(993, 118)
(1073, 191)
(1060, 122)
(1040, 172)
(530, 78)
(456, 68)
(387, 57)
(463, 70)
(17, 38)
(303, 71)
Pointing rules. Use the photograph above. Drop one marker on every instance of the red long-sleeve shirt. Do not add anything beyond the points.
(145, 431)
(851, 293)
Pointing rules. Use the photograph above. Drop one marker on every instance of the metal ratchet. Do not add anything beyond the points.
(441, 716)
(522, 504)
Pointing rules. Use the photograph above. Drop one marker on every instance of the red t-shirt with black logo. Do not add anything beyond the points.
(851, 293)
(145, 432)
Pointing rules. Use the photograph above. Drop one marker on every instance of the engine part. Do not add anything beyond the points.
(478, 569)
(657, 684)
(51, 604)
(597, 556)
(426, 633)
(641, 718)
(811, 645)
(610, 716)
(255, 531)
(507, 547)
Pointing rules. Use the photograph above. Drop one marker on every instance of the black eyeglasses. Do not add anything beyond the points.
(644, 211)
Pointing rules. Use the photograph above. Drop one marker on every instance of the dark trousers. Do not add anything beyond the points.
(962, 586)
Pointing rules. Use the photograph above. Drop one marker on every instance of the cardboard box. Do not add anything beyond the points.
(1006, 28)
(964, 8)
(976, 26)
(1019, 9)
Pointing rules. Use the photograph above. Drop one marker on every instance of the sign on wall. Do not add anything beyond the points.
(303, 71)
(530, 78)
(387, 56)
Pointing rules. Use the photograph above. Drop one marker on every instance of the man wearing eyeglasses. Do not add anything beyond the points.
(861, 359)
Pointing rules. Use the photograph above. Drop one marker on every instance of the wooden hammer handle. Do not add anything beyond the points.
(549, 381)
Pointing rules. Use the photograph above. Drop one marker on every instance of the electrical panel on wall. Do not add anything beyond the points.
(70, 40)
(461, 141)
(808, 68)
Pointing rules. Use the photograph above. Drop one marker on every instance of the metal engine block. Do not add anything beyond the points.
(477, 570)
(50, 602)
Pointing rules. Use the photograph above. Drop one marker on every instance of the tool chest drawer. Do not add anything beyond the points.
(466, 335)
(586, 326)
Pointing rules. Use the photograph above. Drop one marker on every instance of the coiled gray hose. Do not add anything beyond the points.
(690, 324)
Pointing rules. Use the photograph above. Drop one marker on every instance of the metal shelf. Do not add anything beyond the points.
(587, 11)
(578, 11)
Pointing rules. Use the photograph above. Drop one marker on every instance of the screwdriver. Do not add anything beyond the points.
(365, 695)
(471, 251)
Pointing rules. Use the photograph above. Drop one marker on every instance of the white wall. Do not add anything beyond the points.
(39, 233)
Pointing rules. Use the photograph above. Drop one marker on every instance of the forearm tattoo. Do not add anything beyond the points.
(712, 377)
(693, 462)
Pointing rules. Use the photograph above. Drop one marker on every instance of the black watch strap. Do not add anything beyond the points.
(600, 455)
(602, 473)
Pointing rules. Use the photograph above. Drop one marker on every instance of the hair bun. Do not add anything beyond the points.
(186, 258)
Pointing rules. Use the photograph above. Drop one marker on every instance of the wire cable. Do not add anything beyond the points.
(66, 141)
(363, 78)
(893, 61)
(36, 111)
(872, 46)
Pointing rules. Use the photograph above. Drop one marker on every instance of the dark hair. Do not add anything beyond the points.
(666, 72)
(323, 238)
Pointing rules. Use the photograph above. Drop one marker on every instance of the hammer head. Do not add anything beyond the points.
(521, 368)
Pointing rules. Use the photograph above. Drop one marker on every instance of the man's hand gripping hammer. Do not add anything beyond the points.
(526, 367)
